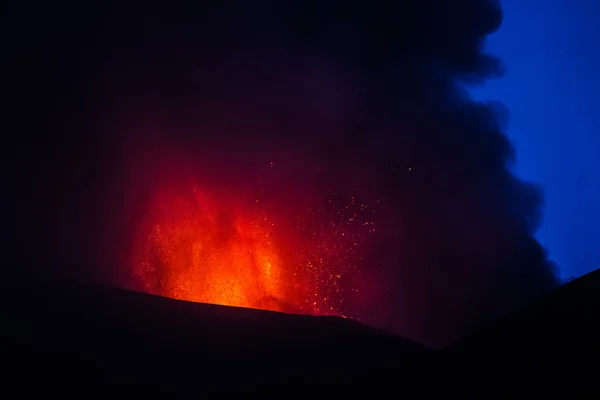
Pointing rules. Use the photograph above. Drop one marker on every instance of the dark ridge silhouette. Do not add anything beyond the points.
(551, 344)
(97, 335)
(61, 334)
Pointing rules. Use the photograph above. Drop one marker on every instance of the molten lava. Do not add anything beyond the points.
(196, 245)
(199, 250)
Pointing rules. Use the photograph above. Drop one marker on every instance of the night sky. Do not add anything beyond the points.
(550, 88)
(330, 151)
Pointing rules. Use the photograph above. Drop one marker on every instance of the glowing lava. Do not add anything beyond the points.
(198, 245)
(203, 250)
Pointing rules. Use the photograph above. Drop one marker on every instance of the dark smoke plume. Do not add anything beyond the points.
(369, 95)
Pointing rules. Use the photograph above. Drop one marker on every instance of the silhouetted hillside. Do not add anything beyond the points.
(92, 335)
(97, 335)
(554, 344)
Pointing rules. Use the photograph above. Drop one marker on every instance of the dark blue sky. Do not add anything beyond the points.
(551, 89)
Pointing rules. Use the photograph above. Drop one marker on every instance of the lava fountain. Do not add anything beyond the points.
(220, 247)
(202, 250)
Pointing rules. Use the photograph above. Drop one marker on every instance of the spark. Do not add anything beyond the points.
(196, 245)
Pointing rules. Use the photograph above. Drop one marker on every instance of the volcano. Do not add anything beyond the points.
(312, 169)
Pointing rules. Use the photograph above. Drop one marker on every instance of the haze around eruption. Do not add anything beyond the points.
(320, 157)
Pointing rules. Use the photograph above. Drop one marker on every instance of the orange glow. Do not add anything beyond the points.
(203, 250)
(208, 245)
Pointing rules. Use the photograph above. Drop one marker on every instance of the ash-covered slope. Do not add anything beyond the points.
(101, 335)
(554, 344)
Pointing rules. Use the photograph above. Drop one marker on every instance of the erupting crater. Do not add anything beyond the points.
(198, 245)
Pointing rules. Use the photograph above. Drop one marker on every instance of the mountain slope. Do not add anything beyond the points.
(552, 344)
(92, 335)
(117, 336)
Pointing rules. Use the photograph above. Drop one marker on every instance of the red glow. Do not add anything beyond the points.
(201, 245)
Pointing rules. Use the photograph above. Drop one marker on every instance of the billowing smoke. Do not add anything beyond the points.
(369, 98)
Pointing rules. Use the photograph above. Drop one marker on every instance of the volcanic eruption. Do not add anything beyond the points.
(242, 246)
(318, 157)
